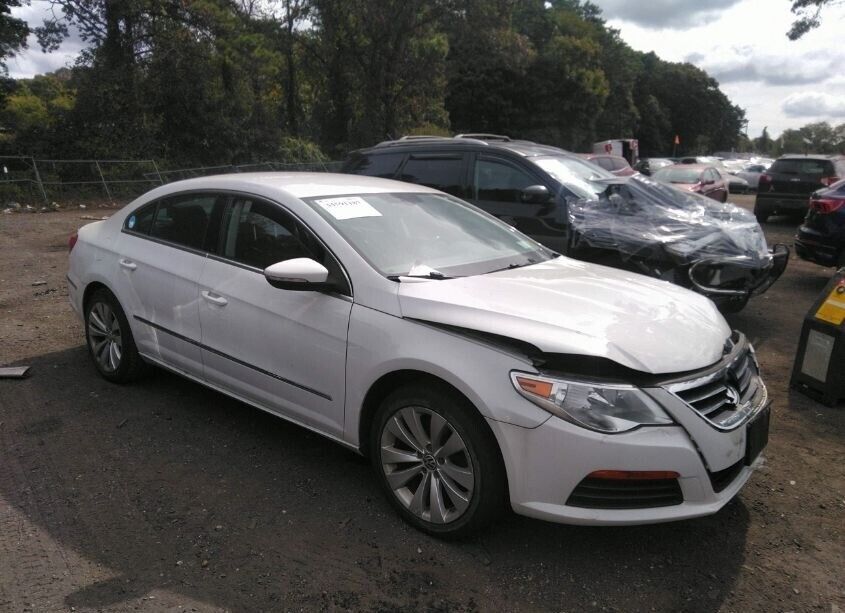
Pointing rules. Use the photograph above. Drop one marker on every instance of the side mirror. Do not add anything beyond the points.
(536, 193)
(298, 274)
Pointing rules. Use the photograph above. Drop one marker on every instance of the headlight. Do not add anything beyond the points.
(601, 407)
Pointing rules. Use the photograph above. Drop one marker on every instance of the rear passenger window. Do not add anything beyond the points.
(141, 220)
(384, 165)
(443, 173)
(183, 220)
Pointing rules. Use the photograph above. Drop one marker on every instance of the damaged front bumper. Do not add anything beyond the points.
(738, 276)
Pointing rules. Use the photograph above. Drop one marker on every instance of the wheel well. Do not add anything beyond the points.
(89, 291)
(384, 386)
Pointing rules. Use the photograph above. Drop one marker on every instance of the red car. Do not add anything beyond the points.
(612, 163)
(699, 178)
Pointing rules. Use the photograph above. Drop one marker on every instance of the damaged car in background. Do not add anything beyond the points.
(579, 209)
(717, 249)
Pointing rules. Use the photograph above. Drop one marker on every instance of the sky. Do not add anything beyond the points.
(741, 43)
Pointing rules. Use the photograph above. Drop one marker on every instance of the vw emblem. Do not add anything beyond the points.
(732, 393)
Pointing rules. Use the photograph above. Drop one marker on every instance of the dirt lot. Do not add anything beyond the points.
(164, 496)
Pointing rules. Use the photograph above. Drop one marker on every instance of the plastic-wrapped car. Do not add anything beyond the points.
(577, 208)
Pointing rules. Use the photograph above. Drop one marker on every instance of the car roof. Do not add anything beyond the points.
(296, 184)
(690, 167)
(524, 148)
(809, 156)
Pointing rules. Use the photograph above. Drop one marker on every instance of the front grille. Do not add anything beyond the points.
(594, 493)
(723, 478)
(718, 396)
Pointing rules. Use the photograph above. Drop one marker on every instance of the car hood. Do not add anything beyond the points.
(573, 307)
(642, 218)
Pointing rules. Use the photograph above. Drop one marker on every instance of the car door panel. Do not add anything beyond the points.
(285, 350)
(158, 267)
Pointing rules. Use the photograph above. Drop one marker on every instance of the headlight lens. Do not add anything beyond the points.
(601, 407)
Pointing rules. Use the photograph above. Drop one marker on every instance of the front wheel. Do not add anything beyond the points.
(437, 461)
(110, 342)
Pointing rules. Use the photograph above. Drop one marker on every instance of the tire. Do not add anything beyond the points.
(761, 214)
(734, 305)
(462, 463)
(109, 339)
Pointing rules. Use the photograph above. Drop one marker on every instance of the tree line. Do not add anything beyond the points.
(235, 81)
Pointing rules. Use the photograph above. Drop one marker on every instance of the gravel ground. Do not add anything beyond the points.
(165, 496)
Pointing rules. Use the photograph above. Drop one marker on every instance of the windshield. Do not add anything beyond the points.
(580, 176)
(427, 235)
(677, 175)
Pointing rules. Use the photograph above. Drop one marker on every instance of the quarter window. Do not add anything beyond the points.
(183, 220)
(499, 182)
(141, 220)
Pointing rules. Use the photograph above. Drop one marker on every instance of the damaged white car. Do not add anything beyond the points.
(475, 367)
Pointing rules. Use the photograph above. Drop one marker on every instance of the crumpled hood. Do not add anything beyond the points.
(638, 216)
(573, 307)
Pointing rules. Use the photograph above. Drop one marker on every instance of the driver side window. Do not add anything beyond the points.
(499, 182)
(260, 234)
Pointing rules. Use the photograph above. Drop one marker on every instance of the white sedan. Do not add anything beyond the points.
(472, 365)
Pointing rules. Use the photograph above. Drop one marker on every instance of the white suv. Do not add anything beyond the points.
(469, 362)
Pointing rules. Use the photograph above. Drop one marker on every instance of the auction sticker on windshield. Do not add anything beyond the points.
(349, 207)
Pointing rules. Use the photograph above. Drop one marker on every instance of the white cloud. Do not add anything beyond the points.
(669, 14)
(814, 105)
(749, 64)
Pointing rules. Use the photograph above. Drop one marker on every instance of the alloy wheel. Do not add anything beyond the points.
(427, 464)
(105, 337)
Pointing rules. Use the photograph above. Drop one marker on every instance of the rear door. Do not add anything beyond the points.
(162, 257)
(496, 186)
(284, 350)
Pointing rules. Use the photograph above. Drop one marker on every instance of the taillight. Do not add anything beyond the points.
(825, 206)
(765, 180)
(828, 181)
(72, 241)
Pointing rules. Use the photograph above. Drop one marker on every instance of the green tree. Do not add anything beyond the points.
(808, 16)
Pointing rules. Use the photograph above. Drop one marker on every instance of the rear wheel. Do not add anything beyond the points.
(762, 214)
(437, 461)
(110, 342)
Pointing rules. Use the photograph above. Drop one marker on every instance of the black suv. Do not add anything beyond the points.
(583, 211)
(786, 187)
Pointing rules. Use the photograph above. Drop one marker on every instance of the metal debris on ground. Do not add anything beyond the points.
(13, 372)
(37, 283)
(91, 217)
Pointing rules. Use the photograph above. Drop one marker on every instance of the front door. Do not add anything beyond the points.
(497, 186)
(284, 350)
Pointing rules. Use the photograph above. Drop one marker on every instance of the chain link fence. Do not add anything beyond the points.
(40, 182)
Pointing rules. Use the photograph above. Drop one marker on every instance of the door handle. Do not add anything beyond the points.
(214, 298)
(128, 265)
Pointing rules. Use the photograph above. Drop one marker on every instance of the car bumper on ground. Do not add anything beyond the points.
(547, 469)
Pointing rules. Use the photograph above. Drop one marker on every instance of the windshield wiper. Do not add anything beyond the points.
(513, 265)
(439, 276)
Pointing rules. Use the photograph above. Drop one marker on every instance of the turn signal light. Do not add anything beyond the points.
(634, 475)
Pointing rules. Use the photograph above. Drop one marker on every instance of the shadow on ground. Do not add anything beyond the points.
(175, 487)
